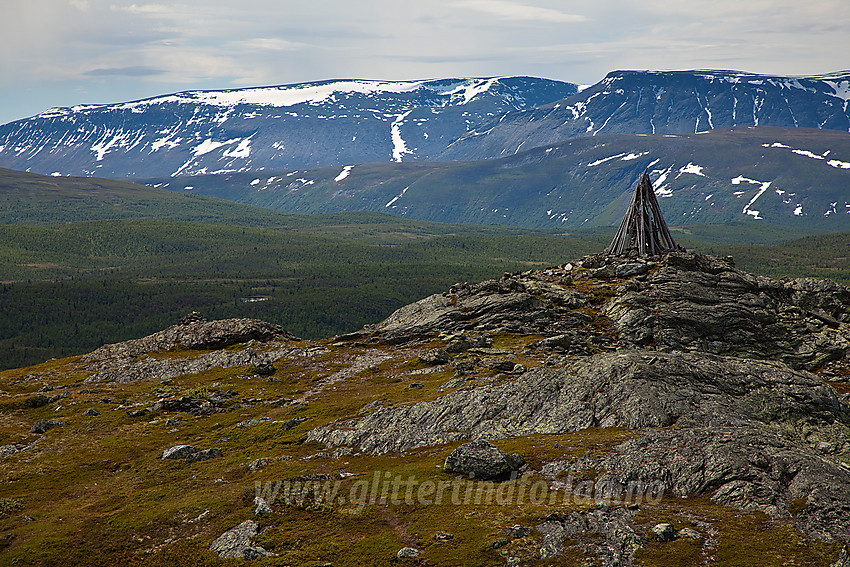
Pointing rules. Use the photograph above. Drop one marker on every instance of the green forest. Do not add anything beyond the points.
(70, 288)
(87, 261)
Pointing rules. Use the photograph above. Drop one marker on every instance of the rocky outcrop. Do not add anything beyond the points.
(718, 373)
(194, 333)
(131, 360)
(613, 526)
(699, 303)
(633, 389)
(236, 543)
(512, 304)
(750, 467)
(481, 459)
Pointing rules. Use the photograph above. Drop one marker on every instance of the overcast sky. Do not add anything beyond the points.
(66, 52)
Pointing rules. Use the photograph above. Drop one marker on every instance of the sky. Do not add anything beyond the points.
(68, 52)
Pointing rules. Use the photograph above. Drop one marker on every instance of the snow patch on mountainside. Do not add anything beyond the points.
(397, 197)
(346, 171)
(399, 147)
(838, 164)
(463, 92)
(764, 186)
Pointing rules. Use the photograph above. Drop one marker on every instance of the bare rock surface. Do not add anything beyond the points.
(236, 543)
(194, 334)
(483, 460)
(632, 389)
(718, 373)
(131, 360)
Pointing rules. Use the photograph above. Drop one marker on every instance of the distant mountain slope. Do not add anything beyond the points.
(789, 176)
(666, 102)
(29, 198)
(282, 127)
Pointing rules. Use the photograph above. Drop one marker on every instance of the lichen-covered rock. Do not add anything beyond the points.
(747, 467)
(407, 552)
(435, 356)
(195, 335)
(42, 425)
(204, 455)
(483, 460)
(632, 389)
(236, 543)
(664, 532)
(698, 303)
(607, 533)
(179, 452)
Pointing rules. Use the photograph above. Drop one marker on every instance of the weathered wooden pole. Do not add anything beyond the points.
(643, 229)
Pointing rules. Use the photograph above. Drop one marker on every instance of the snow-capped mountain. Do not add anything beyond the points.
(281, 127)
(783, 176)
(666, 102)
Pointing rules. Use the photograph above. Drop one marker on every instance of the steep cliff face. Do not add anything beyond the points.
(637, 411)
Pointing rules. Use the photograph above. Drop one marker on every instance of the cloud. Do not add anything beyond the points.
(133, 71)
(268, 44)
(520, 12)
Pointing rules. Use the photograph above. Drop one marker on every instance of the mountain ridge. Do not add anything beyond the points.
(793, 176)
(678, 102)
(657, 411)
(300, 125)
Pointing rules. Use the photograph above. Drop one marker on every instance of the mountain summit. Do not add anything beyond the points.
(281, 127)
(667, 410)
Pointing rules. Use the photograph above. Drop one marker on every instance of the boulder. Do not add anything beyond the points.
(664, 532)
(204, 455)
(435, 356)
(179, 452)
(236, 543)
(43, 425)
(408, 552)
(262, 507)
(91, 412)
(257, 464)
(480, 459)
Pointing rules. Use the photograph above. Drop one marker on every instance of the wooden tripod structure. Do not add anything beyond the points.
(643, 229)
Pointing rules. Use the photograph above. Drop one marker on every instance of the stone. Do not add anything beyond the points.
(236, 543)
(629, 270)
(481, 459)
(185, 404)
(204, 455)
(517, 531)
(264, 367)
(43, 425)
(262, 507)
(690, 533)
(443, 536)
(435, 356)
(407, 552)
(251, 422)
(664, 532)
(293, 422)
(138, 412)
(92, 412)
(259, 464)
(179, 452)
